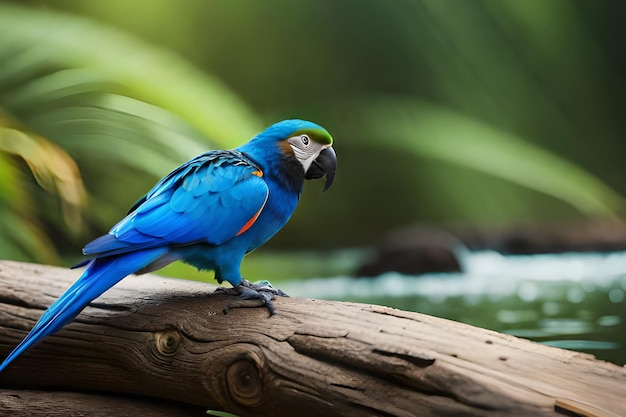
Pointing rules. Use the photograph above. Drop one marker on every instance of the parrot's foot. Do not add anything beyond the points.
(248, 291)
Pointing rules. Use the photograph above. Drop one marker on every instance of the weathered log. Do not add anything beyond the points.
(63, 404)
(156, 337)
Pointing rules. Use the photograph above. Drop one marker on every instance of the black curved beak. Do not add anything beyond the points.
(324, 165)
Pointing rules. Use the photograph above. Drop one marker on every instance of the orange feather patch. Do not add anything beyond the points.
(250, 222)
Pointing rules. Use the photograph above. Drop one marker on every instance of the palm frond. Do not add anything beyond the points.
(33, 40)
(441, 134)
(52, 168)
(82, 102)
(21, 231)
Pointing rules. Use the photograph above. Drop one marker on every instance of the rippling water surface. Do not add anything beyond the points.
(573, 301)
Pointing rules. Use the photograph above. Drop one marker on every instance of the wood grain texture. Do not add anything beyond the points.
(63, 404)
(169, 339)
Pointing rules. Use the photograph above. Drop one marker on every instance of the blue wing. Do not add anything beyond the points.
(210, 199)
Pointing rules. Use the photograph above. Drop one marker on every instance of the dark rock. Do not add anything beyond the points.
(416, 250)
(422, 249)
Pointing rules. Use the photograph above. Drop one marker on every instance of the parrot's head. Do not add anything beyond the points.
(299, 149)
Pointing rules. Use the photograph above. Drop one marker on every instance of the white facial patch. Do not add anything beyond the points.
(305, 149)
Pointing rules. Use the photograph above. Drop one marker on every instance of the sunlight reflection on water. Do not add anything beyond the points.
(573, 300)
(486, 273)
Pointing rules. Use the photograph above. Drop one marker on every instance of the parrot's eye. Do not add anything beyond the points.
(305, 140)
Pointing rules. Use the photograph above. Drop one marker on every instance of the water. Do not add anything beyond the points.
(572, 301)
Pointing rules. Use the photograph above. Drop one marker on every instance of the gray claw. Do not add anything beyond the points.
(249, 291)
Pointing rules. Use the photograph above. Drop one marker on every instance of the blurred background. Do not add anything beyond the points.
(476, 115)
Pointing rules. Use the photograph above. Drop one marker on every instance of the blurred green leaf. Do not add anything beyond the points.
(442, 134)
(220, 413)
(31, 39)
(21, 237)
(52, 168)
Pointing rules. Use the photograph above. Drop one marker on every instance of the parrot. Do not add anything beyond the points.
(209, 213)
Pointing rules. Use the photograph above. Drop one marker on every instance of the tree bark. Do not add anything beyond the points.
(169, 339)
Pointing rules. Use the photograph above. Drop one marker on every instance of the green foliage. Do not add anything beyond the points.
(442, 134)
(220, 413)
(99, 58)
(483, 112)
(126, 111)
(55, 172)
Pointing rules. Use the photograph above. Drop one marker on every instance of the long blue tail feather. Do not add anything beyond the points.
(100, 275)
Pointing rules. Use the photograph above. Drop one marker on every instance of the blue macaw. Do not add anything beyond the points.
(209, 213)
